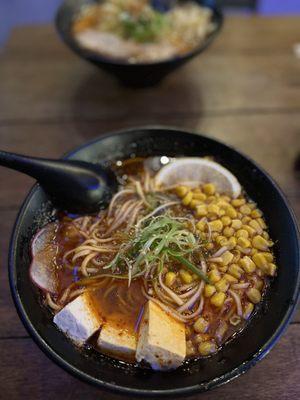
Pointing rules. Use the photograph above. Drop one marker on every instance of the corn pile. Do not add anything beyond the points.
(235, 227)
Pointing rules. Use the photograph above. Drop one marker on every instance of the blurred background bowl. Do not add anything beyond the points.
(140, 74)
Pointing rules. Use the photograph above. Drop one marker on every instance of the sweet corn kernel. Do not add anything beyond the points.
(243, 242)
(181, 191)
(222, 285)
(260, 243)
(260, 261)
(242, 233)
(254, 295)
(223, 269)
(206, 348)
(199, 196)
(256, 213)
(210, 246)
(232, 243)
(201, 325)
(249, 307)
(262, 223)
(225, 198)
(227, 257)
(246, 210)
(236, 224)
(272, 269)
(237, 255)
(209, 189)
(268, 256)
(235, 271)
(247, 264)
(249, 229)
(201, 337)
(253, 251)
(213, 266)
(226, 220)
(223, 204)
(238, 202)
(216, 225)
(228, 231)
(201, 226)
(218, 299)
(231, 212)
(222, 212)
(195, 203)
(224, 242)
(252, 206)
(255, 225)
(265, 235)
(219, 238)
(201, 210)
(246, 219)
(170, 278)
(211, 199)
(214, 235)
(214, 276)
(209, 290)
(230, 278)
(258, 284)
(213, 208)
(187, 199)
(185, 276)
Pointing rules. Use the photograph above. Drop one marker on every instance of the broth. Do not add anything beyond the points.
(206, 264)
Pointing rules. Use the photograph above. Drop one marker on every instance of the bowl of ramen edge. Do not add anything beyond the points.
(238, 354)
(138, 74)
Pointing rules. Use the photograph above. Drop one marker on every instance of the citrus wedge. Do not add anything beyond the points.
(195, 171)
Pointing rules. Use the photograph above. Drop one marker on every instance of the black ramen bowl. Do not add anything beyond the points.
(239, 354)
(141, 74)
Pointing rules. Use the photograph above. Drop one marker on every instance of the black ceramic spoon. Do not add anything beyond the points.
(75, 186)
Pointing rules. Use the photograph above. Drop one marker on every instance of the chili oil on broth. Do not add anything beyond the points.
(121, 302)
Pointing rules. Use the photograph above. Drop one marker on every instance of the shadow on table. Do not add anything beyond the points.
(102, 104)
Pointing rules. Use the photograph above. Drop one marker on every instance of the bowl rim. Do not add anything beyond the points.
(95, 57)
(189, 390)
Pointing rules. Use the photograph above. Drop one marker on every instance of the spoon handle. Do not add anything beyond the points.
(34, 167)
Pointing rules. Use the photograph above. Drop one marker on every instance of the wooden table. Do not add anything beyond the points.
(245, 90)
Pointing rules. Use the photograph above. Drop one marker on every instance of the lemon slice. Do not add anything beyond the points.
(195, 171)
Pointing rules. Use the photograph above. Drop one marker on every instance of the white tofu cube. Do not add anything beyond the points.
(161, 339)
(79, 319)
(118, 341)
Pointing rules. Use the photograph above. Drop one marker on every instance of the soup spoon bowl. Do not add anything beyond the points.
(72, 185)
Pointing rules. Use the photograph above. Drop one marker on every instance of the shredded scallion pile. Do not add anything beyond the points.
(159, 241)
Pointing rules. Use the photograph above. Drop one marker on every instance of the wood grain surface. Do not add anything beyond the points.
(244, 91)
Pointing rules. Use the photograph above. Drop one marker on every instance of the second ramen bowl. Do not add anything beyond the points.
(141, 74)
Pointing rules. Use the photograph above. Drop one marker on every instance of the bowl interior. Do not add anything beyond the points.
(237, 355)
(70, 9)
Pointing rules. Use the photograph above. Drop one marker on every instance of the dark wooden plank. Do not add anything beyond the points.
(276, 377)
(33, 88)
